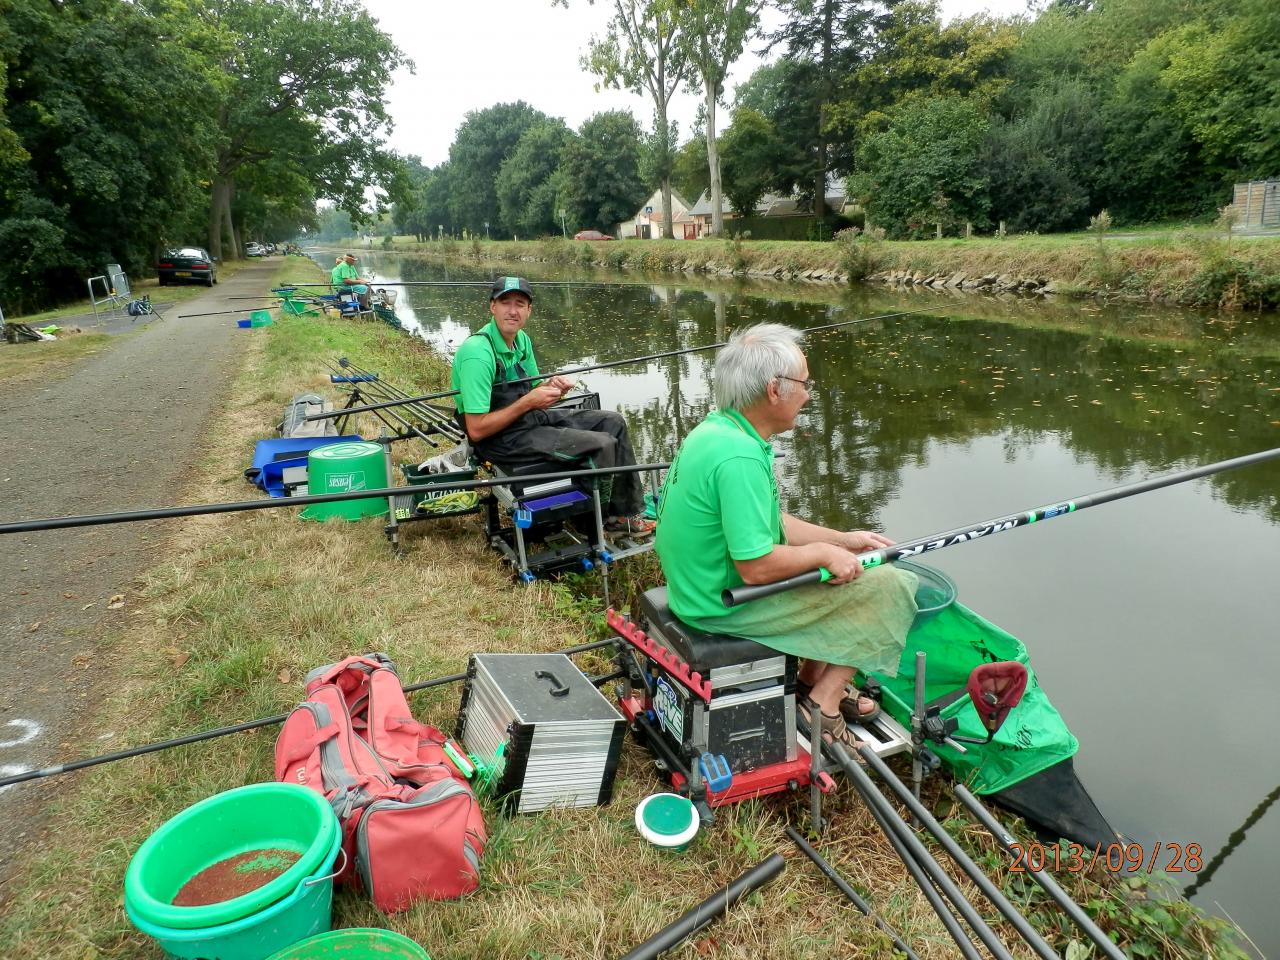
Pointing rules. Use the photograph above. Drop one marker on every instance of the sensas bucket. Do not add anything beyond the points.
(346, 468)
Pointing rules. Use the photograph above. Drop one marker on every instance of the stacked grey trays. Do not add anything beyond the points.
(556, 739)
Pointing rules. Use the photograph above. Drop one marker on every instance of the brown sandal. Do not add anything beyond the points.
(834, 728)
(849, 706)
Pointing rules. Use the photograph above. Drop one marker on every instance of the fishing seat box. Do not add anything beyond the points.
(554, 738)
(751, 717)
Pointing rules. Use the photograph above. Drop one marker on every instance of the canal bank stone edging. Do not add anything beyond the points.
(985, 283)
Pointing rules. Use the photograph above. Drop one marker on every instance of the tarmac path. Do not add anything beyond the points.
(116, 431)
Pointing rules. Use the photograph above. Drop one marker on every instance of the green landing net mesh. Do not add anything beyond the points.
(955, 640)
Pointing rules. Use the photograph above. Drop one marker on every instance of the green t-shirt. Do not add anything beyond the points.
(473, 366)
(343, 272)
(719, 504)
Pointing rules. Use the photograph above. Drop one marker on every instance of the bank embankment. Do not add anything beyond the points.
(240, 606)
(1198, 268)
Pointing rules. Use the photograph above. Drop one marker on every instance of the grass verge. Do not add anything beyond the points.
(23, 361)
(225, 626)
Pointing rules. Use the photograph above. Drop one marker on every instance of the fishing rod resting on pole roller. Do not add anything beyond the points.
(203, 509)
(618, 363)
(74, 765)
(874, 558)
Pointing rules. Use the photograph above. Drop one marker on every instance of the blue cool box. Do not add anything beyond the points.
(272, 457)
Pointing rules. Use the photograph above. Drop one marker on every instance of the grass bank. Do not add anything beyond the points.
(1193, 267)
(239, 607)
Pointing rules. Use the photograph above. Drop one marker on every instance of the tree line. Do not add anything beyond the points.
(1150, 109)
(129, 127)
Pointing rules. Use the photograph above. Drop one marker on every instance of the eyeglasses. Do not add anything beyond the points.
(807, 384)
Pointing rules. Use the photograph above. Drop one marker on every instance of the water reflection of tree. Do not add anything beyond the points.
(888, 389)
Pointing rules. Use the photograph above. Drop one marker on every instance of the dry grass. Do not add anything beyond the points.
(226, 625)
(21, 362)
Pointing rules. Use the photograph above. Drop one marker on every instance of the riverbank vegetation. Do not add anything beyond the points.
(1200, 267)
(128, 127)
(240, 606)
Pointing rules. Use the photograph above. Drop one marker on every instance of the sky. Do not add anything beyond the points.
(471, 54)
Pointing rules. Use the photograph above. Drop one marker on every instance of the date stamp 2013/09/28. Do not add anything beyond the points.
(1113, 857)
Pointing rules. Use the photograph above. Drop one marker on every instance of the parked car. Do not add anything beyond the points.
(255, 250)
(187, 265)
(591, 235)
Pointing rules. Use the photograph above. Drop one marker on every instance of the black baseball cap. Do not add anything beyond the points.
(510, 285)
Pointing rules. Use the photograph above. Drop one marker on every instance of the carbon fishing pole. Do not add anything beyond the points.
(53, 771)
(443, 419)
(484, 283)
(203, 509)
(874, 558)
(1046, 882)
(989, 890)
(850, 894)
(622, 363)
(390, 418)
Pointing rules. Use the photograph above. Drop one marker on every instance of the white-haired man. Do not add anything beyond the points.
(721, 524)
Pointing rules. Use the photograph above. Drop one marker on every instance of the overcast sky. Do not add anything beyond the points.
(471, 54)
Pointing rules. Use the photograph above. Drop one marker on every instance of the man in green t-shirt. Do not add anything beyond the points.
(346, 279)
(514, 423)
(721, 524)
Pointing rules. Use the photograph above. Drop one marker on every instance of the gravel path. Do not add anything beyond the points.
(115, 432)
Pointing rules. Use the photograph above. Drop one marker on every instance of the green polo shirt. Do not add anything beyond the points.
(719, 504)
(473, 366)
(343, 272)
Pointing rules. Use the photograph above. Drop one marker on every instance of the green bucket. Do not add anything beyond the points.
(306, 911)
(358, 943)
(345, 468)
(260, 318)
(263, 816)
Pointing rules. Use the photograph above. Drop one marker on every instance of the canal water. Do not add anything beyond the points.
(1152, 621)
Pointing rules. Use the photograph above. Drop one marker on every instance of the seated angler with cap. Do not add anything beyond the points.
(346, 278)
(514, 423)
(721, 524)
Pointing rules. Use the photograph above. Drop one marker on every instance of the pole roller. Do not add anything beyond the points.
(974, 531)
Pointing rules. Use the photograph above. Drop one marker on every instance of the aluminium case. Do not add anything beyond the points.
(560, 739)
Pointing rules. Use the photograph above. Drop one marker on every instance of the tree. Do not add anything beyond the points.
(526, 185)
(750, 151)
(1046, 166)
(784, 92)
(830, 38)
(689, 176)
(92, 171)
(601, 184)
(712, 34)
(485, 139)
(307, 76)
(925, 167)
(641, 52)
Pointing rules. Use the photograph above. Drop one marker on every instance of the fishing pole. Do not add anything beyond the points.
(874, 558)
(850, 894)
(28, 775)
(390, 417)
(489, 283)
(1046, 882)
(989, 890)
(621, 363)
(378, 389)
(214, 313)
(203, 509)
